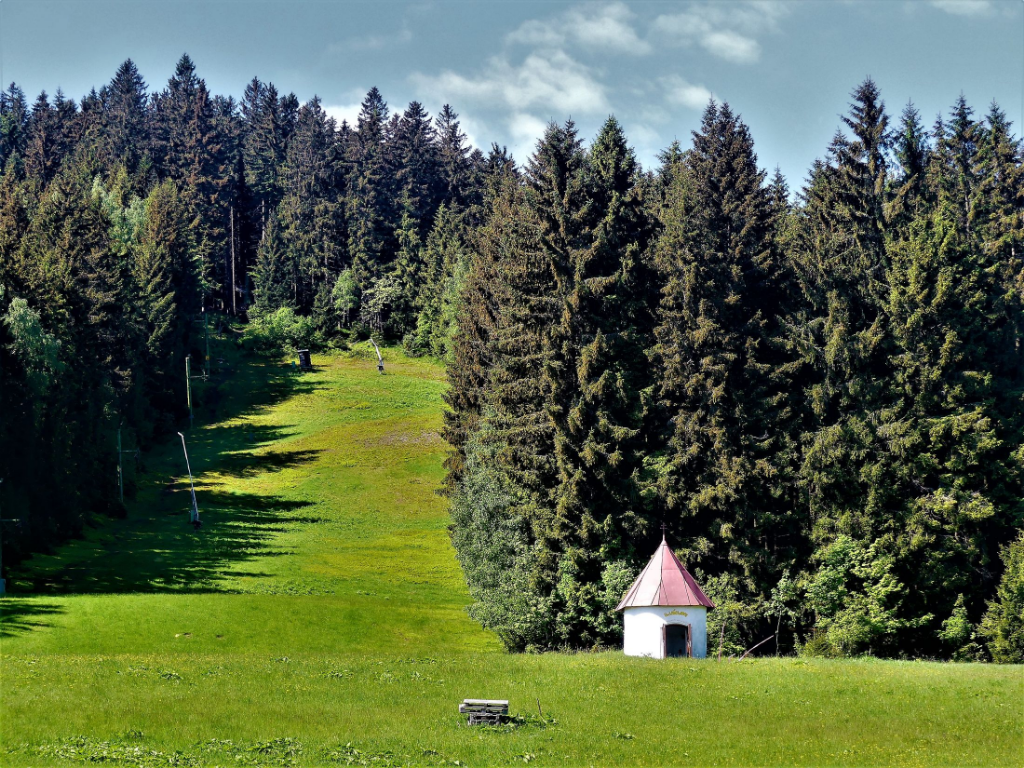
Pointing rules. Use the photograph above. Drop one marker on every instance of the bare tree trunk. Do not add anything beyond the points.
(755, 646)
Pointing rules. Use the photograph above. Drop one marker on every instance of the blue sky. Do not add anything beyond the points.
(509, 67)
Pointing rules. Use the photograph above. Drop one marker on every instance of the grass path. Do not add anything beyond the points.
(318, 619)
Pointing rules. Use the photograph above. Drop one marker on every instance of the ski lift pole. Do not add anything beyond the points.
(206, 339)
(120, 461)
(194, 512)
(380, 359)
(188, 386)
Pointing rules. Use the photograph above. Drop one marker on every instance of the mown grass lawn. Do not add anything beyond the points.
(318, 619)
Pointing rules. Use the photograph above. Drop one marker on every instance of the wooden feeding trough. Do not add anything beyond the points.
(484, 711)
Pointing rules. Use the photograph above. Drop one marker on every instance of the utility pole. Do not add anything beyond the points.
(234, 290)
(120, 468)
(206, 338)
(188, 387)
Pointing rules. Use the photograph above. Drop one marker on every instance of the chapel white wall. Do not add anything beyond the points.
(642, 628)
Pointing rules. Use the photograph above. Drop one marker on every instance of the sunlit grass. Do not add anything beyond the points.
(321, 606)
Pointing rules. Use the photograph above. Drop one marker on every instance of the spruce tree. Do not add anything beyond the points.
(192, 153)
(124, 138)
(168, 296)
(263, 147)
(596, 385)
(371, 202)
(311, 214)
(477, 316)
(913, 155)
(272, 273)
(14, 117)
(42, 150)
(456, 160)
(724, 376)
(948, 446)
(507, 387)
(842, 263)
(446, 263)
(419, 184)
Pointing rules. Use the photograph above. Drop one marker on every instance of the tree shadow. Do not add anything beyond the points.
(168, 555)
(155, 549)
(18, 615)
(249, 464)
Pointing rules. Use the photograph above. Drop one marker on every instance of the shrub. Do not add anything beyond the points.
(1002, 627)
(958, 634)
(732, 619)
(586, 615)
(857, 600)
(280, 330)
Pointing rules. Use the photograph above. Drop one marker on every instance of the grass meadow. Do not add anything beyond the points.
(318, 618)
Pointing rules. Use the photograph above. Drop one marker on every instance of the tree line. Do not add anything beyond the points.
(818, 394)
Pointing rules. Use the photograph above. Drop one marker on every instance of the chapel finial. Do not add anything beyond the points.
(663, 532)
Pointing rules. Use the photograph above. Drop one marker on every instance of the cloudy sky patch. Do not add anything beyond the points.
(510, 67)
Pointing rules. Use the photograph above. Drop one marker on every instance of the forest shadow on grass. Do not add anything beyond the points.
(155, 549)
(18, 615)
(168, 555)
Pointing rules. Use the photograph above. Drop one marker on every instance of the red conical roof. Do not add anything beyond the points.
(664, 582)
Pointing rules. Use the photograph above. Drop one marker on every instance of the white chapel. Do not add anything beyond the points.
(665, 611)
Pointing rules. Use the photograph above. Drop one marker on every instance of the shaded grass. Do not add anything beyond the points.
(318, 618)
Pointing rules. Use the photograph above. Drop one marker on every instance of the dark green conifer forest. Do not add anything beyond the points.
(819, 393)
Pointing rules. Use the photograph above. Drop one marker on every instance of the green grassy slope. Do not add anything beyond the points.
(318, 619)
(322, 531)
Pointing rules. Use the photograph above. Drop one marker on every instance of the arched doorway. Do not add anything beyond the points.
(677, 640)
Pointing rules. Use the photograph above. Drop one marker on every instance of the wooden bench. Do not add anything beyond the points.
(484, 711)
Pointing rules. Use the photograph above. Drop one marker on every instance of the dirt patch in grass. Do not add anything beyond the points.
(426, 437)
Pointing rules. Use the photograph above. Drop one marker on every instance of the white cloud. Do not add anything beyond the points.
(524, 126)
(728, 31)
(682, 92)
(538, 33)
(605, 27)
(644, 135)
(370, 42)
(732, 46)
(964, 7)
(545, 79)
(525, 130)
(344, 112)
(610, 28)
